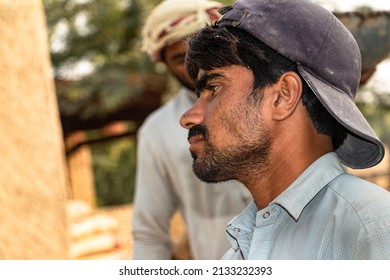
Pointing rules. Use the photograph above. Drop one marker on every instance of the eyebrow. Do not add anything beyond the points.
(201, 83)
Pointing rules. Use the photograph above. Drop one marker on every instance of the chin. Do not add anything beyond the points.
(194, 156)
(208, 174)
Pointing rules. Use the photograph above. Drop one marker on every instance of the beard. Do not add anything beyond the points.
(236, 162)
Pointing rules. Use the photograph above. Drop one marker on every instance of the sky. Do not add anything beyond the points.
(348, 5)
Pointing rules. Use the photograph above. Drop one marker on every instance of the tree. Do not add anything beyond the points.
(104, 34)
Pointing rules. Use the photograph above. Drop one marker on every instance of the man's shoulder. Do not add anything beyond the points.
(365, 198)
(168, 115)
(161, 117)
(164, 123)
(346, 183)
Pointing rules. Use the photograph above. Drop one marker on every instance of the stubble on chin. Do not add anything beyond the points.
(235, 163)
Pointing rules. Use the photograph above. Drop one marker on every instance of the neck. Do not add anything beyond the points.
(285, 166)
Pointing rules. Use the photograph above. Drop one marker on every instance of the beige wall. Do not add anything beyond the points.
(33, 179)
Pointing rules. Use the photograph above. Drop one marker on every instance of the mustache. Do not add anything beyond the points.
(197, 129)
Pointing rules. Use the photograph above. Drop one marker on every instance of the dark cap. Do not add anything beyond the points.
(327, 56)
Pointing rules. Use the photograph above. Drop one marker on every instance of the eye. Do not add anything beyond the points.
(212, 88)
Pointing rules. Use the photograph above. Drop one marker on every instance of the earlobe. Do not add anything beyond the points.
(288, 93)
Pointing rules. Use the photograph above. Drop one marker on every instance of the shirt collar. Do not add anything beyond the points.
(295, 198)
(240, 229)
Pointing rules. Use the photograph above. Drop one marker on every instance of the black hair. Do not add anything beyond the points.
(215, 47)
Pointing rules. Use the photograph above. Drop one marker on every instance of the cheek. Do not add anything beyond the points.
(180, 70)
(225, 124)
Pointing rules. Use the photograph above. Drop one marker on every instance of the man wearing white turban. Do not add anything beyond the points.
(165, 180)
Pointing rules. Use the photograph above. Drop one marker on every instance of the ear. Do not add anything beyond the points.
(287, 95)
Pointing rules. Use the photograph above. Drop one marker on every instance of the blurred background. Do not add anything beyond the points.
(105, 87)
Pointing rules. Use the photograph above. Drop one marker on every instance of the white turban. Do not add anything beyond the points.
(174, 20)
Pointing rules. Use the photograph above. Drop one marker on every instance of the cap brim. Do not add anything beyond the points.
(361, 148)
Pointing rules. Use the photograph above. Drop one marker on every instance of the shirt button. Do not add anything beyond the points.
(236, 229)
(266, 215)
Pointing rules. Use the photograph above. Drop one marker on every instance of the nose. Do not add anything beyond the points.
(192, 117)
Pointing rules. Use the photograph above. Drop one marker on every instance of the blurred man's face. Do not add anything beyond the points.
(174, 59)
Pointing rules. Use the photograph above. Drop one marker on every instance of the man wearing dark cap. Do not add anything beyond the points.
(276, 81)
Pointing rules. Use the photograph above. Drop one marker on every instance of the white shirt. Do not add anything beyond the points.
(324, 214)
(165, 182)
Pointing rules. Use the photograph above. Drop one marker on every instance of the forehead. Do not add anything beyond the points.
(175, 49)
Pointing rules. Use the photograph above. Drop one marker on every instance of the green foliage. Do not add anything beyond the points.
(378, 117)
(98, 94)
(100, 31)
(114, 171)
(105, 34)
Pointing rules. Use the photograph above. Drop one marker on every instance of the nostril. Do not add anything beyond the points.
(184, 123)
(187, 125)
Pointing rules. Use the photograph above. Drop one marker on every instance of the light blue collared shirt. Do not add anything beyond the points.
(324, 214)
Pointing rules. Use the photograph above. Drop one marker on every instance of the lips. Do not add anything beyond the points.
(195, 139)
(196, 136)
